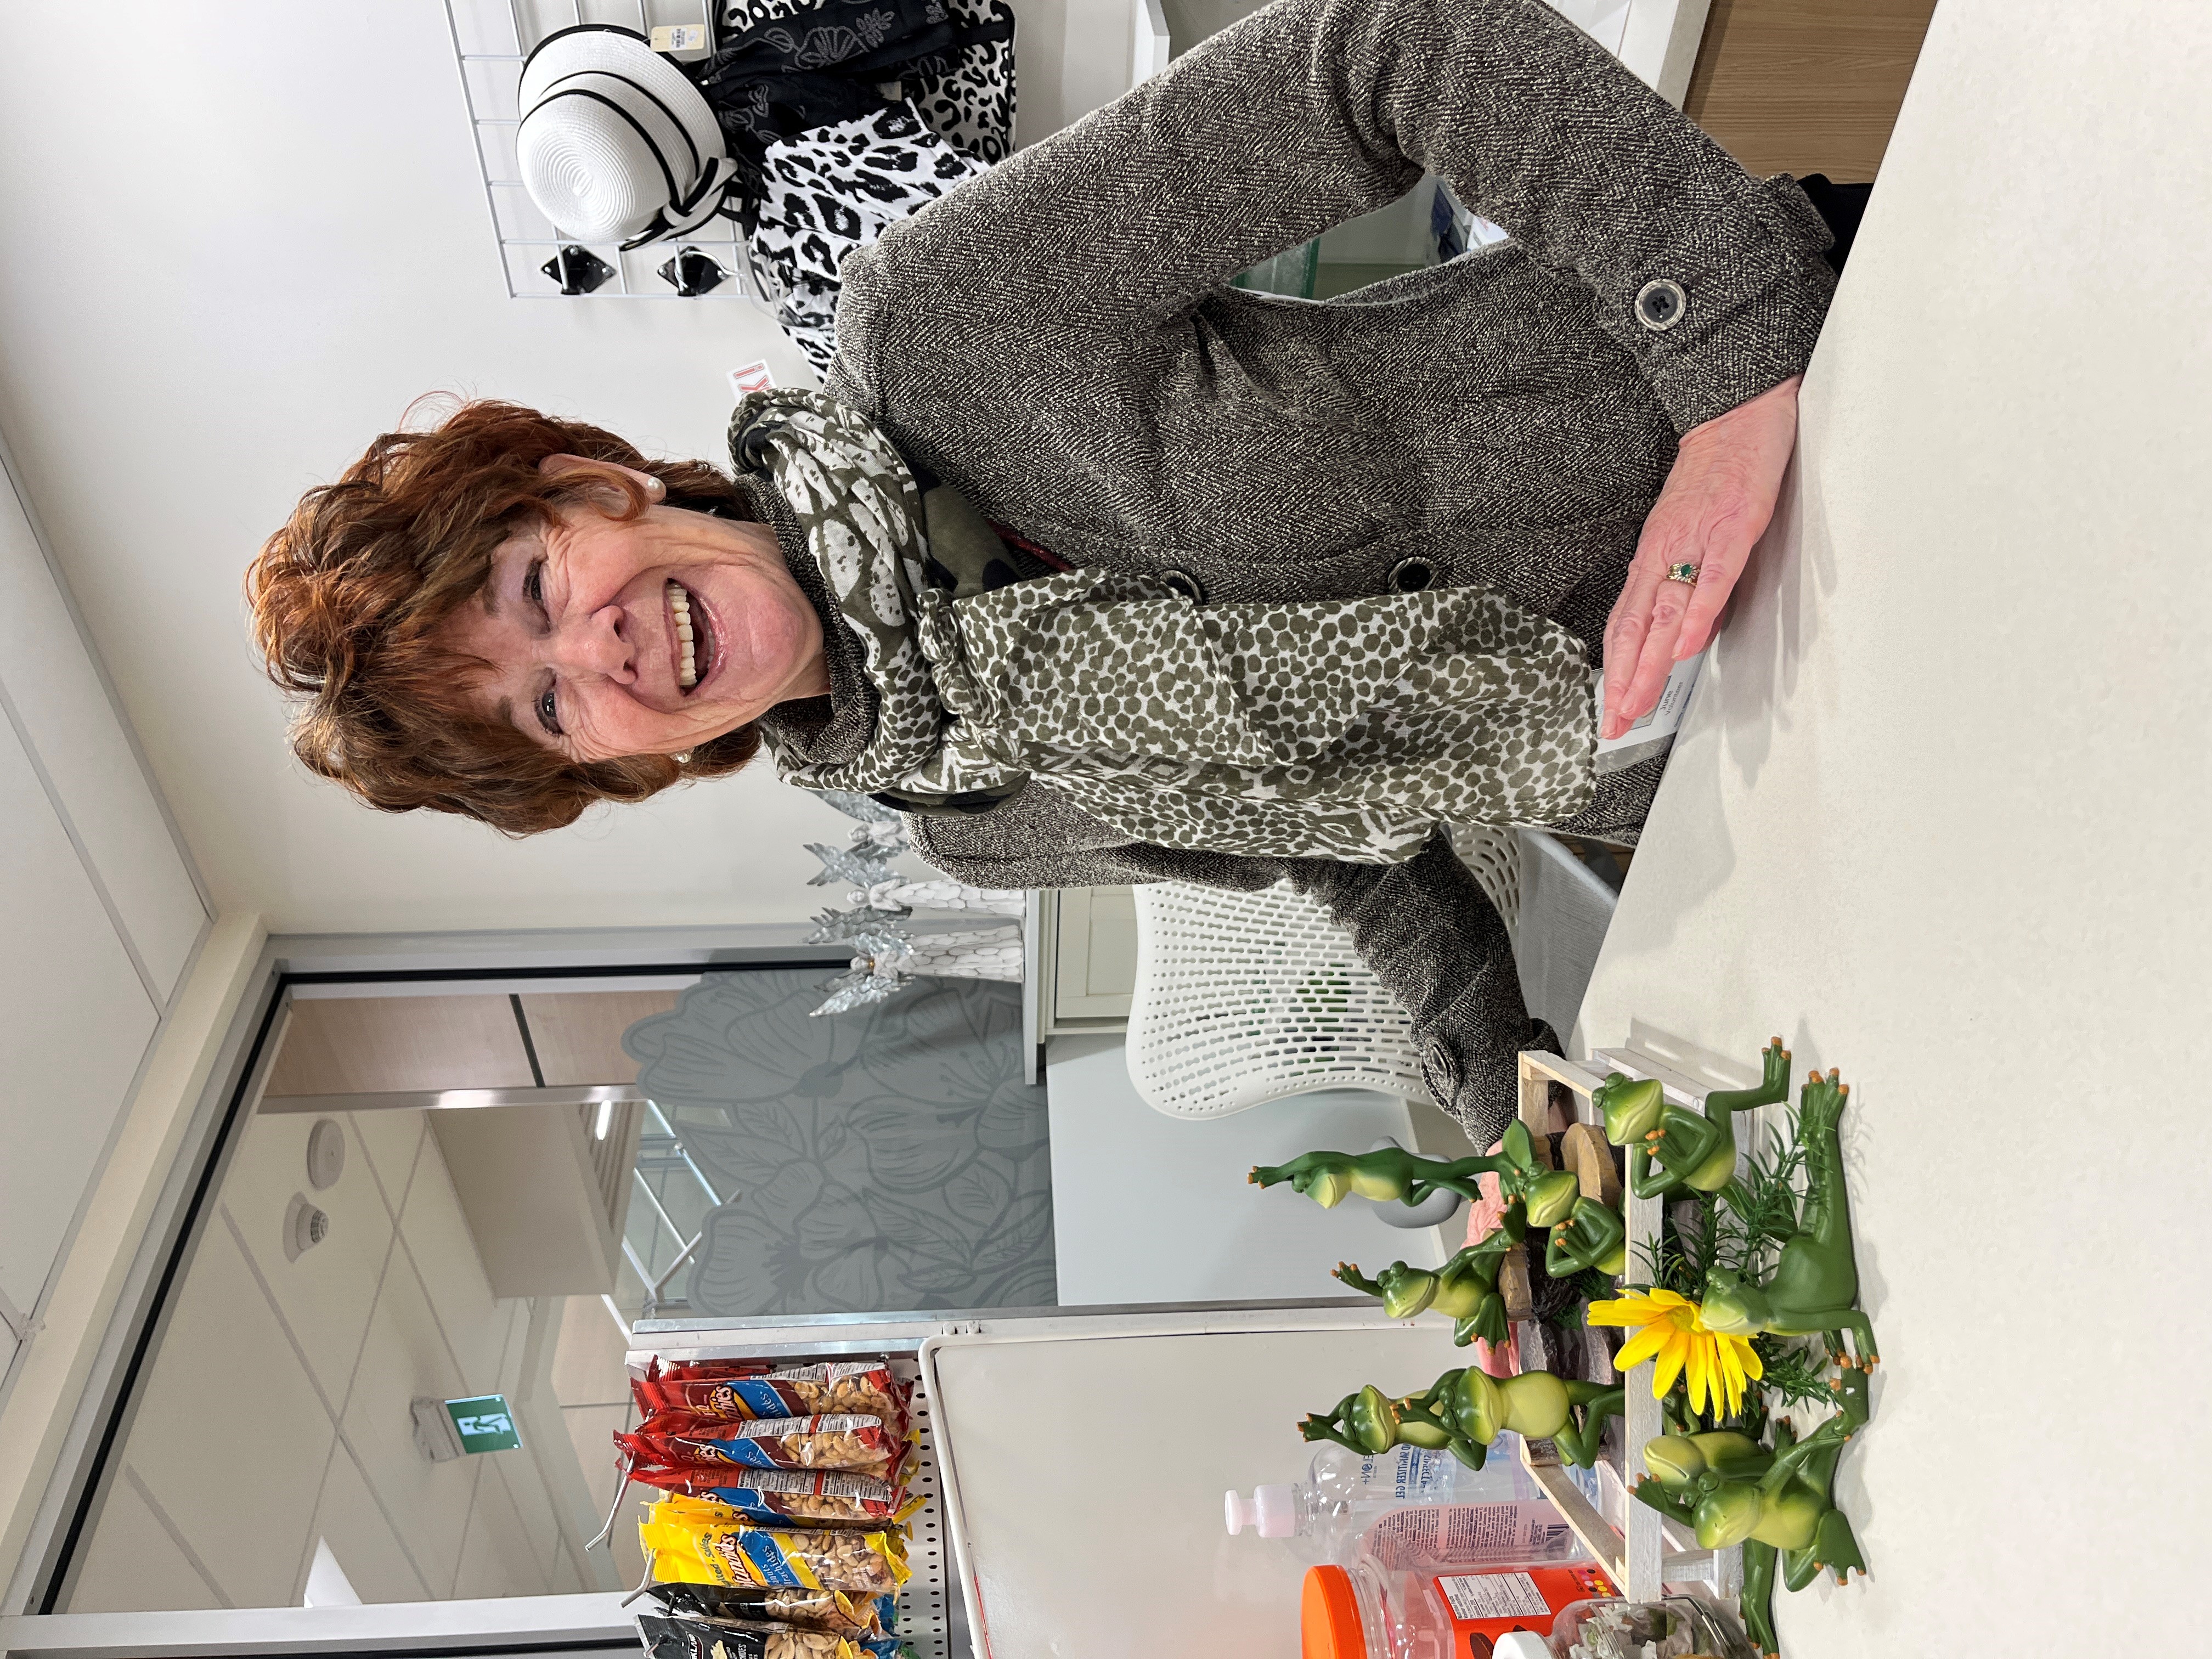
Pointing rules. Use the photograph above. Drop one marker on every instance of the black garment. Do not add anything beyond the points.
(825, 65)
(1842, 206)
(867, 40)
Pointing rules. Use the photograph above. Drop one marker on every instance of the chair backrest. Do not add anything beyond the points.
(1245, 998)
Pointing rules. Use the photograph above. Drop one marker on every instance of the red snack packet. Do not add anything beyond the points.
(659, 1388)
(863, 1388)
(856, 1443)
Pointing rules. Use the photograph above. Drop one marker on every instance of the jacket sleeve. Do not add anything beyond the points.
(1424, 925)
(1312, 111)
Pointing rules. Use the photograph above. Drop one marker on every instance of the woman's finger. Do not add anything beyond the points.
(1726, 552)
(1624, 633)
(1655, 660)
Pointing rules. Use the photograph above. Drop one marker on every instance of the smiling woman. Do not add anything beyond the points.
(488, 619)
(1102, 569)
(605, 632)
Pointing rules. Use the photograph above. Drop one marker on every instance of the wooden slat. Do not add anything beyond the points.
(1594, 1531)
(579, 1033)
(385, 1045)
(1806, 86)
(1635, 1560)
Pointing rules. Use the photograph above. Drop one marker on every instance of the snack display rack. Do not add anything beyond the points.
(929, 1611)
(1127, 1499)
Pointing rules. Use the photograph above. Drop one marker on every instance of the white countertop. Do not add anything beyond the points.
(1938, 818)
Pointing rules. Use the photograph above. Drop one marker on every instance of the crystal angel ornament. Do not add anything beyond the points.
(863, 807)
(862, 865)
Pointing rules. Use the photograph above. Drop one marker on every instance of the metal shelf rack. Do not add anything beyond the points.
(491, 39)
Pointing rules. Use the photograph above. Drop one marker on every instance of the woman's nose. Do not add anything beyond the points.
(596, 645)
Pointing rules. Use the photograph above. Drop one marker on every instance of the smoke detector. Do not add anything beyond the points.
(325, 1154)
(305, 1227)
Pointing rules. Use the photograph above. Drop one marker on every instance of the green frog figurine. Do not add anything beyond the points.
(1464, 1411)
(1695, 1150)
(1815, 1281)
(1778, 1504)
(1465, 1289)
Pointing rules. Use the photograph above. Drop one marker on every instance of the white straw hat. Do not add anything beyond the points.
(616, 143)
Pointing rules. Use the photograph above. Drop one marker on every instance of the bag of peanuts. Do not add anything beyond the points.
(780, 1497)
(806, 1609)
(663, 1637)
(862, 1388)
(857, 1444)
(691, 1541)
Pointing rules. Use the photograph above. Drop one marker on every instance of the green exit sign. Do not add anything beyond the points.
(484, 1423)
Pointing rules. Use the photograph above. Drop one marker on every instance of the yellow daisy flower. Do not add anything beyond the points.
(1674, 1336)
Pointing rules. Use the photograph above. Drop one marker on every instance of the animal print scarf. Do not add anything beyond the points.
(1344, 729)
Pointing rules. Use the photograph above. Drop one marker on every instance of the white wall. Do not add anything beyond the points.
(99, 916)
(242, 238)
(1148, 1208)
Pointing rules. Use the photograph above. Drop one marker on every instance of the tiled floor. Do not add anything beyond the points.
(276, 1411)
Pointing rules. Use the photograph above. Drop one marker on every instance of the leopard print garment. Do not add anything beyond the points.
(808, 313)
(971, 106)
(1344, 729)
(831, 189)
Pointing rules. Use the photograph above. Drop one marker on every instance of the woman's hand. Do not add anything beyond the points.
(1714, 509)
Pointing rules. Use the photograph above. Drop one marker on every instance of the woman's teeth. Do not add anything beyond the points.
(687, 659)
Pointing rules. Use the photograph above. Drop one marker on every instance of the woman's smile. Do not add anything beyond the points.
(608, 637)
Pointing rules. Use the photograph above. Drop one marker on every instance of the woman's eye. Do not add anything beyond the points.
(533, 583)
(549, 716)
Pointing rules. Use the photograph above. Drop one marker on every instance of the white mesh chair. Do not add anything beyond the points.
(1245, 998)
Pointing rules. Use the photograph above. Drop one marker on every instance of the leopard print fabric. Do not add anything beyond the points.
(834, 188)
(971, 105)
(1344, 729)
(808, 313)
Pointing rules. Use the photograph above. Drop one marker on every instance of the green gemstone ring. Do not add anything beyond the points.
(1685, 573)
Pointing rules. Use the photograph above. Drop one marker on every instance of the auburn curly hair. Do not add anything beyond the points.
(347, 597)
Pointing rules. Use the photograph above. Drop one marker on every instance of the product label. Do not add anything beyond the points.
(1494, 1596)
(1655, 732)
(1409, 1474)
(1483, 1605)
(1428, 1536)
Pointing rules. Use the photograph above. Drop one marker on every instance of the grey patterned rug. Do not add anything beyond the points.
(888, 1159)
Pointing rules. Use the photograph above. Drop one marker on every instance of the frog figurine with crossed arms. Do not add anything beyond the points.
(1695, 1150)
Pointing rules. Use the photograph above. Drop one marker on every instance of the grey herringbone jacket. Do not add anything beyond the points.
(1057, 339)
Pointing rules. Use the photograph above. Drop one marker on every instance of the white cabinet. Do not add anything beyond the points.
(1081, 952)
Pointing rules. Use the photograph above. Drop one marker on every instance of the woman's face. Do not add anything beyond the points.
(584, 623)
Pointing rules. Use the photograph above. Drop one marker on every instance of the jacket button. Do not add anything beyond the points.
(1411, 575)
(1440, 1071)
(1182, 584)
(1659, 304)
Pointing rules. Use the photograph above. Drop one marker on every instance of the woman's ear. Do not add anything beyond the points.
(553, 465)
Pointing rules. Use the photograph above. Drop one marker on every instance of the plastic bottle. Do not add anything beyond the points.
(1345, 1495)
(1366, 1611)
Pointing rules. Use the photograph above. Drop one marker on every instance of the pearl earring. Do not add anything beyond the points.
(682, 758)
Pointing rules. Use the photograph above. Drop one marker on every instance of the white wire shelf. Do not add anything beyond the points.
(491, 39)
